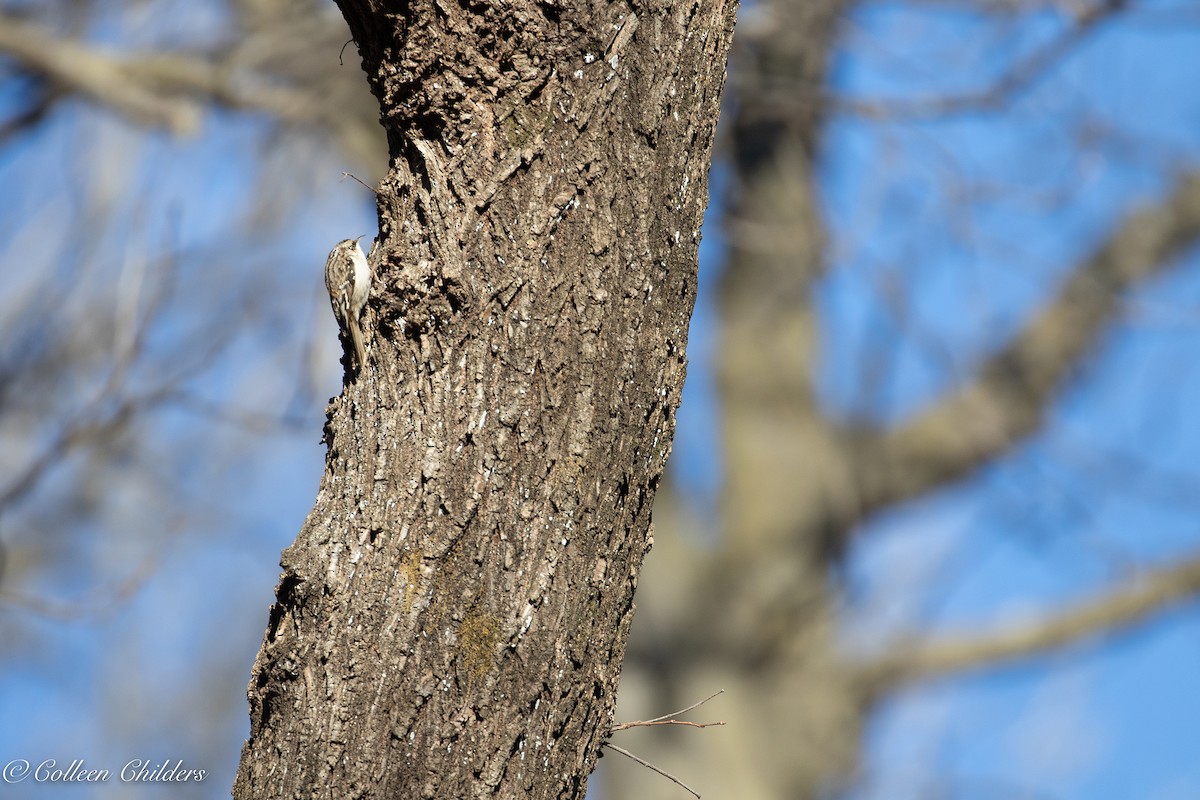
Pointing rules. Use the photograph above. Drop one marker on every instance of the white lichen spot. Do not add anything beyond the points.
(589, 58)
(578, 74)
(612, 62)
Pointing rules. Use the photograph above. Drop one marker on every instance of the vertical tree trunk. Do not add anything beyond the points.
(452, 616)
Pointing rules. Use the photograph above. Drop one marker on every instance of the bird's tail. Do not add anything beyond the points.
(359, 351)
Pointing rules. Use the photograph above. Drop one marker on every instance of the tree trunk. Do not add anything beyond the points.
(451, 619)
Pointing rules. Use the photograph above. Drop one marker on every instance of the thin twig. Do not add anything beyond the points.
(650, 766)
(669, 719)
(356, 178)
(683, 711)
(652, 723)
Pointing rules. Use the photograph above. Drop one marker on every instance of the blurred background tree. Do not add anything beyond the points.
(934, 462)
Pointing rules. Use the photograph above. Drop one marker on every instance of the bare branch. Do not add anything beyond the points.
(650, 766)
(221, 84)
(99, 604)
(94, 75)
(1118, 611)
(360, 181)
(156, 89)
(1006, 400)
(32, 114)
(249, 420)
(1020, 76)
(669, 719)
(73, 435)
(654, 724)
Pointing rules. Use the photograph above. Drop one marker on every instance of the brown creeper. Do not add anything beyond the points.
(348, 279)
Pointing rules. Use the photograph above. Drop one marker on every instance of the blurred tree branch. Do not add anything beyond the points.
(1134, 601)
(114, 82)
(287, 79)
(1007, 400)
(1020, 75)
(97, 603)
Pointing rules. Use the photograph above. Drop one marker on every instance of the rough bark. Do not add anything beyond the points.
(452, 617)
